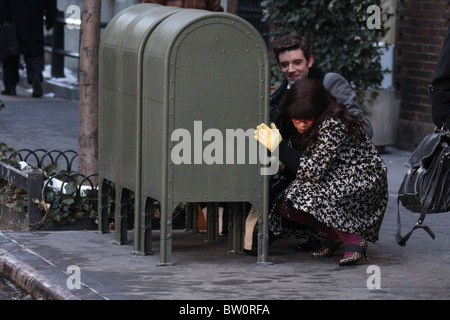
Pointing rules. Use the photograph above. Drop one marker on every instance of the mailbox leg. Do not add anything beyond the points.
(236, 220)
(230, 226)
(146, 234)
(166, 234)
(121, 215)
(103, 207)
(263, 234)
(138, 214)
(124, 217)
(190, 222)
(194, 217)
(239, 225)
(212, 229)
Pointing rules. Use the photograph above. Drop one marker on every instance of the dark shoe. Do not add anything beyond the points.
(308, 246)
(358, 252)
(37, 88)
(9, 92)
(252, 252)
(328, 248)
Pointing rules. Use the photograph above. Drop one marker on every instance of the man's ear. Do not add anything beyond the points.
(310, 62)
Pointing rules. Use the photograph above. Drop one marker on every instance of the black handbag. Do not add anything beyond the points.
(426, 186)
(9, 45)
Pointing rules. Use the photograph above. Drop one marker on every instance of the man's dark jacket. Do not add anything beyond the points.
(440, 86)
(28, 16)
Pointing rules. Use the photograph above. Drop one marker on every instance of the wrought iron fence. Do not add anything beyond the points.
(56, 45)
(44, 173)
(249, 10)
(41, 158)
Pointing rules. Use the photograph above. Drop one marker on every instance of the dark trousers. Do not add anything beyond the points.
(34, 66)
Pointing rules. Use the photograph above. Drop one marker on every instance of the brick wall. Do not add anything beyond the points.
(421, 27)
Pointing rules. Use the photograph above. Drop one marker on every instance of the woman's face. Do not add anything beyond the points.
(302, 125)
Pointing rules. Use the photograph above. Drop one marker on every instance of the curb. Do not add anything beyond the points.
(39, 286)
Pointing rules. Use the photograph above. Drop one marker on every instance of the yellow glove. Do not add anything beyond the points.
(268, 137)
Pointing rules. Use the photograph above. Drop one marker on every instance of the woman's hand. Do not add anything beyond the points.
(268, 137)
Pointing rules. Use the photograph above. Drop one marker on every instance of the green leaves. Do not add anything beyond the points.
(340, 39)
(60, 206)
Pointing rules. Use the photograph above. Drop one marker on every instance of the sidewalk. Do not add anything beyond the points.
(201, 270)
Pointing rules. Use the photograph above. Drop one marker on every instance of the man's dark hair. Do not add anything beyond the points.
(292, 42)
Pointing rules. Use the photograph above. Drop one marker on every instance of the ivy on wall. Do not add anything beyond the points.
(341, 33)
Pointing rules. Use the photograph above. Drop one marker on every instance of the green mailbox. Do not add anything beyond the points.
(183, 91)
(120, 107)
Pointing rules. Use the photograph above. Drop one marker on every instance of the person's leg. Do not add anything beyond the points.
(11, 74)
(250, 223)
(331, 243)
(35, 66)
(304, 218)
(355, 247)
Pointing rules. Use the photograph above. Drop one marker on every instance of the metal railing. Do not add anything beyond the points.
(31, 182)
(42, 157)
(57, 47)
(249, 10)
(35, 182)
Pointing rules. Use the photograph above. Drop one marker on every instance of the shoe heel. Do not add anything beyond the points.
(358, 252)
(37, 88)
(365, 254)
(327, 249)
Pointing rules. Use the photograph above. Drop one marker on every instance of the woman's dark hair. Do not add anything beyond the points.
(309, 99)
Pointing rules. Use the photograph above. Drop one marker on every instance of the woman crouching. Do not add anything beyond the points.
(341, 187)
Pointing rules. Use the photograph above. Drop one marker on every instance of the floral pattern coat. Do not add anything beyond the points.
(343, 184)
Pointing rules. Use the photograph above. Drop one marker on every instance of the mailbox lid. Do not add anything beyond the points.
(120, 86)
(129, 103)
(109, 71)
(111, 39)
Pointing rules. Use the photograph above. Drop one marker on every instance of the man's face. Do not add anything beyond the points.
(294, 65)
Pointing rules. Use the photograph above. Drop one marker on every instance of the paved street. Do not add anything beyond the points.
(46, 123)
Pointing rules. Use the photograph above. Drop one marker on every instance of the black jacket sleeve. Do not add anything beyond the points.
(3, 10)
(51, 12)
(440, 86)
(289, 156)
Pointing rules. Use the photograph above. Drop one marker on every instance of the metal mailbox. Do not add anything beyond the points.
(120, 105)
(182, 94)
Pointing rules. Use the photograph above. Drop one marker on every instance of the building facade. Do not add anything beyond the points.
(421, 27)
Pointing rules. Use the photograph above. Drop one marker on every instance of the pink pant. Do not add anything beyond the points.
(304, 218)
